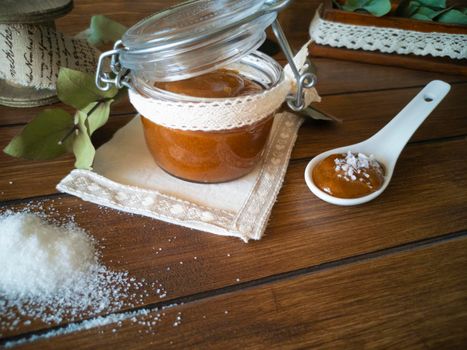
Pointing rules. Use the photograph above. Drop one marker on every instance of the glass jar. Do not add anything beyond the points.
(216, 155)
(191, 40)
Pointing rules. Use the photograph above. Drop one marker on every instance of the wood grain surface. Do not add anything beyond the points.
(408, 300)
(423, 63)
(387, 274)
(303, 230)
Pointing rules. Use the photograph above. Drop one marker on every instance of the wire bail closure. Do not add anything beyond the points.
(103, 79)
(305, 79)
(296, 102)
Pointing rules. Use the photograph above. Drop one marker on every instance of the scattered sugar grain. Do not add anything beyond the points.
(178, 319)
(51, 271)
(143, 317)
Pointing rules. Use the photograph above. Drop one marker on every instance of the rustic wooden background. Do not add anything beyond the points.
(387, 274)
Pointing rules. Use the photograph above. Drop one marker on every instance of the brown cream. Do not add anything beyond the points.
(348, 175)
(209, 156)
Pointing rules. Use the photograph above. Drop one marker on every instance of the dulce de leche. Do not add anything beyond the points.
(348, 175)
(209, 156)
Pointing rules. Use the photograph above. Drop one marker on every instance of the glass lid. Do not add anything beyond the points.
(196, 37)
(186, 20)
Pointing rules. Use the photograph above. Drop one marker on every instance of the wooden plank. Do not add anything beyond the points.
(409, 300)
(427, 198)
(363, 114)
(127, 13)
(14, 116)
(422, 63)
(337, 77)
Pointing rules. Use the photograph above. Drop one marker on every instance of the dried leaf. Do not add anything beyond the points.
(78, 89)
(453, 16)
(39, 140)
(316, 114)
(103, 30)
(375, 7)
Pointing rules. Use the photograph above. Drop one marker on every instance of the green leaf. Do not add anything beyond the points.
(40, 139)
(78, 89)
(84, 150)
(439, 13)
(82, 145)
(453, 16)
(378, 7)
(95, 115)
(426, 12)
(434, 4)
(103, 30)
(375, 7)
(88, 120)
(420, 17)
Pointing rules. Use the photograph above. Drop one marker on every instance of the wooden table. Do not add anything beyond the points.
(387, 274)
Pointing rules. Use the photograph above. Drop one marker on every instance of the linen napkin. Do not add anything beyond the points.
(125, 177)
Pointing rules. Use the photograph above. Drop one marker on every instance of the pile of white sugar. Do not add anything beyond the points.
(39, 258)
(51, 271)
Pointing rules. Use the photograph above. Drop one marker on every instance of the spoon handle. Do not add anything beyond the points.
(391, 139)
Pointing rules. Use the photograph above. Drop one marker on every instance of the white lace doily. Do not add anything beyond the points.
(32, 54)
(222, 114)
(126, 178)
(388, 40)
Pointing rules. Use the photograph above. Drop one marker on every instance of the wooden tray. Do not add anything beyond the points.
(428, 63)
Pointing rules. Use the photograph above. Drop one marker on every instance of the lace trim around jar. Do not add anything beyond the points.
(222, 114)
(388, 40)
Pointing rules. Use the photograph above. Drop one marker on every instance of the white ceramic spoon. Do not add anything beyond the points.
(387, 144)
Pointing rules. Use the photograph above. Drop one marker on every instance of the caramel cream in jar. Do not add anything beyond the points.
(209, 156)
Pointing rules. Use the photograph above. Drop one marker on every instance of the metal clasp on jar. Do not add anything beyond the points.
(104, 80)
(306, 79)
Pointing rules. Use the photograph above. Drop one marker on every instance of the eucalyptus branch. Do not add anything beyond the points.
(88, 114)
(99, 102)
(43, 138)
(68, 134)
